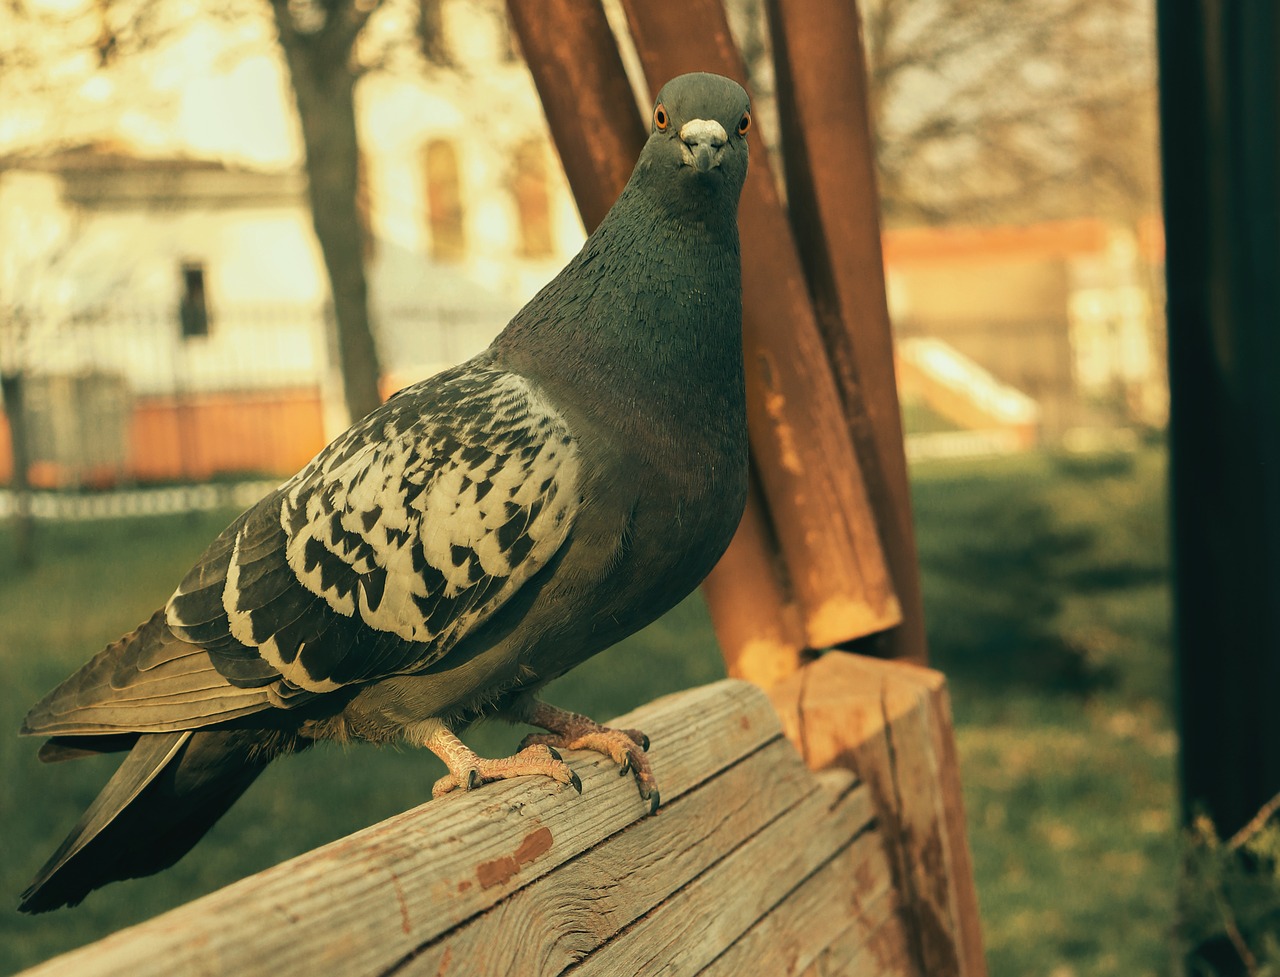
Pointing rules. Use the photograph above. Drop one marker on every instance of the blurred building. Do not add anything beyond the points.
(163, 297)
(1040, 334)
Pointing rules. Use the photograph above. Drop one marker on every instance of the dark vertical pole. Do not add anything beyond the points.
(1220, 117)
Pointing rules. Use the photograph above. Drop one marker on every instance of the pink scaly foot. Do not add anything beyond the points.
(468, 770)
(571, 731)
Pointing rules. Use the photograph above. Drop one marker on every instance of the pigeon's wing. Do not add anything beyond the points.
(147, 681)
(399, 539)
(396, 541)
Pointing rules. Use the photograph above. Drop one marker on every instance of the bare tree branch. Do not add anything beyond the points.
(1022, 109)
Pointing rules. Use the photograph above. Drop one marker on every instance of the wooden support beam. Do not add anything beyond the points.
(368, 903)
(590, 107)
(890, 723)
(807, 466)
(756, 622)
(835, 212)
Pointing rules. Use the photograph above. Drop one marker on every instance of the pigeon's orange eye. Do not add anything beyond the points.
(660, 118)
(744, 123)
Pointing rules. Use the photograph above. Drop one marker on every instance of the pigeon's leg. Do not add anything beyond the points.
(468, 770)
(571, 731)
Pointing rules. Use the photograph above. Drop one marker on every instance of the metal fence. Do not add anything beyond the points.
(118, 397)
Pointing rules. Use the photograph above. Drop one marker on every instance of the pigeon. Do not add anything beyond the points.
(473, 538)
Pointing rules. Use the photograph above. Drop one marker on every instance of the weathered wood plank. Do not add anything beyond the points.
(889, 721)
(757, 623)
(553, 923)
(808, 469)
(851, 893)
(365, 902)
(701, 920)
(931, 820)
(885, 953)
(880, 927)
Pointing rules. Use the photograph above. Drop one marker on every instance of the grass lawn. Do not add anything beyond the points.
(1047, 606)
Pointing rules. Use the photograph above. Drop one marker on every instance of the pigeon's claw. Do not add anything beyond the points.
(570, 731)
(467, 770)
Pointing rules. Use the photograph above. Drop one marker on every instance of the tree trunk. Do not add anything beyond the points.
(323, 79)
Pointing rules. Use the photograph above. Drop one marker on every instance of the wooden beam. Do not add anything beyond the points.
(370, 902)
(890, 723)
(753, 864)
(590, 107)
(835, 211)
(808, 470)
(756, 622)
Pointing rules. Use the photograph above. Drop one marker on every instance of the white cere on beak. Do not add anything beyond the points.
(709, 131)
(702, 143)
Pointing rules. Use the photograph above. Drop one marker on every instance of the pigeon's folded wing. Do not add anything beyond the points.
(395, 542)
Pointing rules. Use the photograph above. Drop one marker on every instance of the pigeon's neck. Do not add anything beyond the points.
(650, 310)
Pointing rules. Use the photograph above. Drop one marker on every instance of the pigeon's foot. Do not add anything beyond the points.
(571, 731)
(468, 770)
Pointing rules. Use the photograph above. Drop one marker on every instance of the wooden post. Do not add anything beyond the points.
(11, 396)
(890, 723)
(835, 211)
(809, 472)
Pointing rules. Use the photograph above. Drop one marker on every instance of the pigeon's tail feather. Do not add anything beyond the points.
(165, 796)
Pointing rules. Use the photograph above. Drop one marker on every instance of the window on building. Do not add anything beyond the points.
(445, 216)
(193, 308)
(533, 199)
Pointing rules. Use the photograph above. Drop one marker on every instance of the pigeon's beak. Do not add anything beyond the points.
(702, 143)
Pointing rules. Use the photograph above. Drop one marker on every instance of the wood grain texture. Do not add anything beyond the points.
(689, 930)
(808, 469)
(835, 212)
(878, 944)
(755, 863)
(843, 902)
(890, 722)
(591, 110)
(563, 917)
(757, 624)
(365, 902)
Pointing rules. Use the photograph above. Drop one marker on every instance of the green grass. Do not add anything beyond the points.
(1047, 607)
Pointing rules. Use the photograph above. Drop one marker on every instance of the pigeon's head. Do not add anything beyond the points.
(699, 130)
